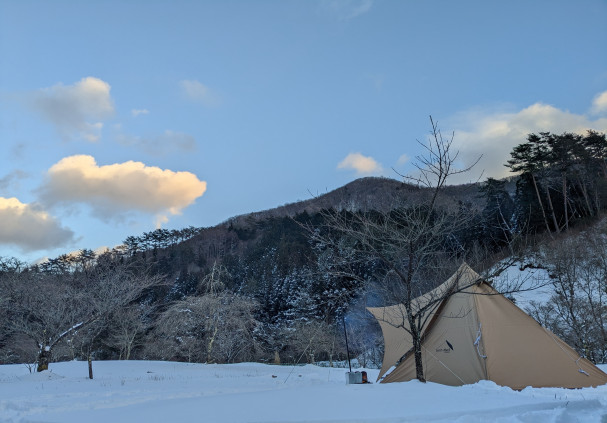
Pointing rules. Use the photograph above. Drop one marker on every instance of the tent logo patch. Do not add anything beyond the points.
(445, 348)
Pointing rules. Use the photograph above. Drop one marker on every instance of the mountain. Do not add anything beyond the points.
(238, 235)
(364, 194)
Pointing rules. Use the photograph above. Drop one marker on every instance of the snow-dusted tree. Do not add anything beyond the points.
(577, 312)
(127, 327)
(215, 281)
(10, 279)
(234, 336)
(308, 341)
(210, 328)
(45, 310)
(48, 307)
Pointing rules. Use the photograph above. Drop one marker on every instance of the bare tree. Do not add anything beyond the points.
(50, 307)
(178, 333)
(215, 281)
(46, 311)
(411, 248)
(127, 327)
(210, 328)
(577, 312)
(308, 341)
(12, 347)
(235, 335)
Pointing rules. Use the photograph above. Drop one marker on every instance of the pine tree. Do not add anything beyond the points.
(497, 213)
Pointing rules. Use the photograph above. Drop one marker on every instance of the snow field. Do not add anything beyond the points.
(152, 391)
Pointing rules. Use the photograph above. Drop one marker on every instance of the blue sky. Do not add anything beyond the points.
(117, 117)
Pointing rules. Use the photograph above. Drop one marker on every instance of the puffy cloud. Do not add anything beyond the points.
(345, 10)
(198, 92)
(599, 105)
(29, 228)
(116, 189)
(363, 165)
(137, 112)
(159, 145)
(494, 135)
(76, 110)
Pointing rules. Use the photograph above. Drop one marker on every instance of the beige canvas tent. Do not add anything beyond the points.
(478, 334)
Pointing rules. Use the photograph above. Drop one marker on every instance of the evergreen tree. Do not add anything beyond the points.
(497, 214)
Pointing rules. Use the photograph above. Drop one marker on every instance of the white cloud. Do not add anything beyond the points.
(29, 228)
(345, 10)
(76, 253)
(494, 135)
(198, 92)
(76, 110)
(114, 190)
(137, 112)
(363, 165)
(403, 159)
(599, 104)
(159, 145)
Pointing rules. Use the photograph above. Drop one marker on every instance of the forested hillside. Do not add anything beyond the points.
(265, 287)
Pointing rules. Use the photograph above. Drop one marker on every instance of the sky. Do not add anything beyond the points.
(120, 117)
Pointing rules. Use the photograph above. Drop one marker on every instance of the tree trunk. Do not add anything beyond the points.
(539, 199)
(127, 354)
(44, 358)
(584, 190)
(419, 368)
(417, 348)
(565, 203)
(210, 345)
(554, 221)
(90, 362)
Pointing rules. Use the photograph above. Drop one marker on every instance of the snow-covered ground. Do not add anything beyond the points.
(534, 284)
(146, 391)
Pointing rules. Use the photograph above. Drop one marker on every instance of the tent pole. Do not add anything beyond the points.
(347, 348)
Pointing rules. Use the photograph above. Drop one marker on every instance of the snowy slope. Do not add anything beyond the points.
(143, 391)
(535, 285)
